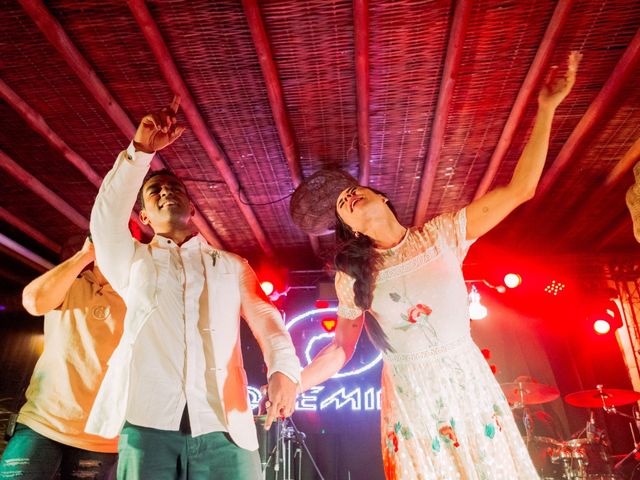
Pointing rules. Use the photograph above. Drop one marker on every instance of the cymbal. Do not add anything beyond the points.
(532, 393)
(613, 397)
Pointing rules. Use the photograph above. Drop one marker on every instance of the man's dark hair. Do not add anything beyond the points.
(149, 176)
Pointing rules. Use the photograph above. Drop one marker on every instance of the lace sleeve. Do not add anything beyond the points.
(347, 307)
(452, 231)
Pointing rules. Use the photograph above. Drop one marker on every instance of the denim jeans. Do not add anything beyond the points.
(31, 456)
(148, 453)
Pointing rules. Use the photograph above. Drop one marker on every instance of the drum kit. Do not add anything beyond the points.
(586, 455)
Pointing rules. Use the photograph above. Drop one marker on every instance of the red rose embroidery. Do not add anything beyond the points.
(448, 432)
(394, 438)
(417, 310)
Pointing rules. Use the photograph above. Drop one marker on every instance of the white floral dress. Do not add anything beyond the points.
(443, 415)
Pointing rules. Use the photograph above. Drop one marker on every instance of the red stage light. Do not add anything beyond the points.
(512, 280)
(267, 288)
(329, 324)
(601, 327)
(322, 304)
(605, 317)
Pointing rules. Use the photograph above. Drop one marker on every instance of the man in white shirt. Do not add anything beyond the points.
(176, 381)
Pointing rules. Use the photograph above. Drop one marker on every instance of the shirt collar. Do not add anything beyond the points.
(197, 241)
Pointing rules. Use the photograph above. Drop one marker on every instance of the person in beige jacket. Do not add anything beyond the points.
(83, 322)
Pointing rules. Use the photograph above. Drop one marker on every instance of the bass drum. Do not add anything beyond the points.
(543, 451)
(586, 460)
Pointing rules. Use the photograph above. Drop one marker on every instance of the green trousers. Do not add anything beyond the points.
(150, 454)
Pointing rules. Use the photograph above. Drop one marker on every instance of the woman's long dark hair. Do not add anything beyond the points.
(357, 257)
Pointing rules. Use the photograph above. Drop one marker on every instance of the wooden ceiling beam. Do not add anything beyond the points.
(532, 79)
(276, 98)
(599, 197)
(622, 227)
(215, 153)
(624, 165)
(455, 46)
(595, 113)
(11, 219)
(24, 255)
(37, 187)
(59, 39)
(40, 126)
(361, 32)
(274, 88)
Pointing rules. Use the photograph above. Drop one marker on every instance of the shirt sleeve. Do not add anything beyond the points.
(452, 231)
(110, 216)
(267, 326)
(347, 307)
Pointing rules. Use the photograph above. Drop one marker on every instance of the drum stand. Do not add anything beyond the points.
(289, 445)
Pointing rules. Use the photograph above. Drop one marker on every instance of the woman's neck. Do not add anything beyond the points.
(387, 233)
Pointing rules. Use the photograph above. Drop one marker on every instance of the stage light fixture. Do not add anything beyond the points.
(477, 311)
(601, 327)
(322, 304)
(267, 288)
(554, 288)
(605, 317)
(512, 280)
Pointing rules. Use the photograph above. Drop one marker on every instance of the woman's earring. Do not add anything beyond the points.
(357, 234)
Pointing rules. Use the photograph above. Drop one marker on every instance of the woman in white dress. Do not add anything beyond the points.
(443, 415)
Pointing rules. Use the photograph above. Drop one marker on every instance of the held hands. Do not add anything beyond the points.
(158, 130)
(555, 88)
(281, 398)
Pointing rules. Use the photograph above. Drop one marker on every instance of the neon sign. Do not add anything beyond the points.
(323, 398)
(319, 399)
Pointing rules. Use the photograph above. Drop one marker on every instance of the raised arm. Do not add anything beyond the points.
(119, 191)
(335, 355)
(487, 211)
(48, 291)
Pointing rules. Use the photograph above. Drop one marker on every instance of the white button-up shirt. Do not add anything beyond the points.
(173, 362)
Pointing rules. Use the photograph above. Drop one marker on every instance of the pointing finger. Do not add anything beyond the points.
(175, 103)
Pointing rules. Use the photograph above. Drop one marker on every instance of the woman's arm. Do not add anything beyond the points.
(486, 212)
(335, 355)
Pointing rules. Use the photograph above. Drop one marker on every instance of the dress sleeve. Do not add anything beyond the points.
(347, 307)
(452, 231)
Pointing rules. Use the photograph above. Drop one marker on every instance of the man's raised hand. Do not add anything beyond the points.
(158, 130)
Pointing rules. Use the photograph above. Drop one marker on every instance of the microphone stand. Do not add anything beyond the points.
(300, 440)
(286, 434)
